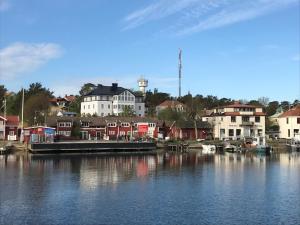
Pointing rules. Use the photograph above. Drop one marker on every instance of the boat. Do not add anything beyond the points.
(260, 145)
(229, 147)
(294, 144)
(5, 149)
(208, 149)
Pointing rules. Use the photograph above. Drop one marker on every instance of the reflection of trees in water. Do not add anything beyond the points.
(95, 170)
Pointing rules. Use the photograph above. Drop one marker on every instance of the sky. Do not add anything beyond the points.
(230, 48)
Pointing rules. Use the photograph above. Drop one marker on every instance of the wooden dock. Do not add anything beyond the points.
(65, 147)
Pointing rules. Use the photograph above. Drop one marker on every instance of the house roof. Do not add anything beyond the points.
(114, 89)
(191, 124)
(170, 103)
(70, 98)
(292, 112)
(12, 121)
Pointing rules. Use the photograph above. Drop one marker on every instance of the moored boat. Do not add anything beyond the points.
(208, 149)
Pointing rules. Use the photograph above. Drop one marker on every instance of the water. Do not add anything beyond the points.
(150, 189)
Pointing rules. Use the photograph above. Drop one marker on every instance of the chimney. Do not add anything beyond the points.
(114, 86)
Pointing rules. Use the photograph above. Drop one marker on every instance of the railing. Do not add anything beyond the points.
(245, 123)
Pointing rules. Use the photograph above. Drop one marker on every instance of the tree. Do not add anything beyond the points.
(285, 105)
(128, 111)
(154, 99)
(170, 115)
(36, 109)
(76, 104)
(75, 132)
(272, 108)
(86, 88)
(263, 101)
(3, 91)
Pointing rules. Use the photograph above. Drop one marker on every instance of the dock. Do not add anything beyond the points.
(73, 147)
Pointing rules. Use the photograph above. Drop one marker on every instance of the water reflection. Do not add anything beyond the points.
(159, 188)
(95, 170)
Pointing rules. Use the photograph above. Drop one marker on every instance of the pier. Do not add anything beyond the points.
(65, 147)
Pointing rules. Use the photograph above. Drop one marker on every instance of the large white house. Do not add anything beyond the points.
(111, 100)
(289, 123)
(237, 121)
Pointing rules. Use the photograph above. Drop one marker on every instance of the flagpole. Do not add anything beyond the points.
(22, 116)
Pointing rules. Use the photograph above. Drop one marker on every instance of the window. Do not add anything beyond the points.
(245, 118)
(111, 124)
(233, 119)
(125, 124)
(11, 133)
(84, 107)
(65, 124)
(231, 132)
(85, 124)
(289, 132)
(238, 132)
(93, 106)
(257, 119)
(65, 133)
(111, 132)
(298, 120)
(287, 120)
(140, 107)
(122, 133)
(102, 106)
(108, 106)
(102, 114)
(296, 131)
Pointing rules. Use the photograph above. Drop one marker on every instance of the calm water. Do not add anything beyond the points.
(150, 189)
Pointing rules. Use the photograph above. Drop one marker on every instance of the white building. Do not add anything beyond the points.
(237, 121)
(111, 100)
(289, 123)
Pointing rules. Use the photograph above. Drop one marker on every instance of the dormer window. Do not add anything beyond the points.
(84, 124)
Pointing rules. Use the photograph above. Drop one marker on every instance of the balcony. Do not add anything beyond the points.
(247, 123)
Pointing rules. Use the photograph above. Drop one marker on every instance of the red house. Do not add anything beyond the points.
(9, 128)
(186, 130)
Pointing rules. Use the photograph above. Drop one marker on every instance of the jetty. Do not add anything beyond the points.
(72, 147)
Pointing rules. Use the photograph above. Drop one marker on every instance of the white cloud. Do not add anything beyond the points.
(192, 16)
(22, 58)
(4, 5)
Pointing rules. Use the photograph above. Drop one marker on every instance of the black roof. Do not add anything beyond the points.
(107, 90)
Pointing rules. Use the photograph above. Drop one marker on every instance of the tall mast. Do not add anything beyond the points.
(22, 116)
(179, 72)
(22, 123)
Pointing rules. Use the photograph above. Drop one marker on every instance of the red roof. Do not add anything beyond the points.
(12, 120)
(292, 112)
(231, 113)
(170, 103)
(70, 98)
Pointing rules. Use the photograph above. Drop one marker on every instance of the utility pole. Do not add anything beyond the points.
(179, 72)
(5, 119)
(22, 116)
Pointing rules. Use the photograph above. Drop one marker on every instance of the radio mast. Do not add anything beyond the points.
(179, 73)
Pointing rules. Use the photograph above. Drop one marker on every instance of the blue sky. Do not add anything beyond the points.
(231, 48)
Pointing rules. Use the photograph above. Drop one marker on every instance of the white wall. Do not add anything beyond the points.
(291, 125)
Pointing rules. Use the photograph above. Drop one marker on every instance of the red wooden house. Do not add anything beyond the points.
(9, 128)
